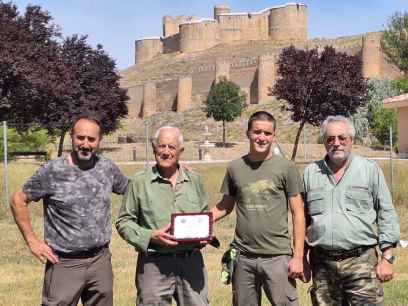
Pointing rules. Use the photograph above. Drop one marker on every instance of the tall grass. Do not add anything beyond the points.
(21, 273)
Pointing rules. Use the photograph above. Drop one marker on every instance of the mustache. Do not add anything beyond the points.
(86, 150)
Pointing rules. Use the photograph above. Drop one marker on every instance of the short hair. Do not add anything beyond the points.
(180, 139)
(89, 118)
(331, 119)
(261, 116)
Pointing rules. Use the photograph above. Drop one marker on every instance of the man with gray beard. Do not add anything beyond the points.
(76, 191)
(350, 212)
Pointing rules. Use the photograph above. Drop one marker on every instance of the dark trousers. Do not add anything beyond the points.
(71, 279)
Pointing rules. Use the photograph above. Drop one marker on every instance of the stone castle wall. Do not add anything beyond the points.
(255, 75)
(190, 34)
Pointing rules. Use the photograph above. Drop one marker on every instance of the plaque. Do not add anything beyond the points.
(190, 227)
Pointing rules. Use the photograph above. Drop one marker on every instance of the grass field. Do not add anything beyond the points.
(21, 274)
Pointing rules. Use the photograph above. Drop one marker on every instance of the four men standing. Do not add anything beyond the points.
(348, 205)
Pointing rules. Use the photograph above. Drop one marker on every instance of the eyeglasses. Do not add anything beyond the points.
(332, 139)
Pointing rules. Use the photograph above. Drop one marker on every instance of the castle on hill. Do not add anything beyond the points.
(190, 34)
(175, 72)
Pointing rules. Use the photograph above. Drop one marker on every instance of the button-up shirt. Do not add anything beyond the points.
(149, 202)
(353, 212)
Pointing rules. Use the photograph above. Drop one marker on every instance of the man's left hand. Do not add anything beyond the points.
(295, 268)
(384, 271)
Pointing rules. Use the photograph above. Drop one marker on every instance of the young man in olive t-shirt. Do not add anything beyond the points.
(262, 185)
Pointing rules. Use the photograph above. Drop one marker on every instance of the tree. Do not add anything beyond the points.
(383, 118)
(379, 117)
(92, 87)
(225, 102)
(28, 48)
(48, 83)
(395, 40)
(315, 85)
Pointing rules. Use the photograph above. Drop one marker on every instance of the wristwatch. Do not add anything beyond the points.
(389, 258)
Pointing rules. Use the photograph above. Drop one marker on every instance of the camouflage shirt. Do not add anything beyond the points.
(77, 210)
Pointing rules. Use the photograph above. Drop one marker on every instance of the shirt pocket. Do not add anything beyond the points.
(358, 199)
(153, 214)
(315, 203)
(190, 203)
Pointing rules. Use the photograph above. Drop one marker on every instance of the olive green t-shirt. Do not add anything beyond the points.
(261, 190)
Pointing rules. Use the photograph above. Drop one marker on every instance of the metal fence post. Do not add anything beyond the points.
(6, 191)
(147, 143)
(391, 165)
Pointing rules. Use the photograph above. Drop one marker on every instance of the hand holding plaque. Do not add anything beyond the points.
(192, 227)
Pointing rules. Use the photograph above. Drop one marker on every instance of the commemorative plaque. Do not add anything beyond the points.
(191, 227)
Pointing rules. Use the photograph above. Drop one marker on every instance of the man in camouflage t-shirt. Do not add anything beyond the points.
(76, 191)
(261, 185)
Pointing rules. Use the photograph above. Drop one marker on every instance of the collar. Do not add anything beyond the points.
(156, 176)
(348, 162)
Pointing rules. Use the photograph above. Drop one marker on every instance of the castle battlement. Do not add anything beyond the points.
(190, 34)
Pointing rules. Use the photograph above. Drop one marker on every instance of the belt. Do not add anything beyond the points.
(180, 254)
(255, 255)
(339, 255)
(83, 254)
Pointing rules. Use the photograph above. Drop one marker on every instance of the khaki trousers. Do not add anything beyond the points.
(160, 278)
(252, 273)
(88, 279)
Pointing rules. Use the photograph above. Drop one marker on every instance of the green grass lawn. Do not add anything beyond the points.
(21, 274)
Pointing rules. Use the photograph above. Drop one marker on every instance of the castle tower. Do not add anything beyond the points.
(288, 22)
(371, 55)
(221, 9)
(185, 87)
(147, 48)
(149, 99)
(222, 69)
(267, 71)
(198, 35)
(170, 27)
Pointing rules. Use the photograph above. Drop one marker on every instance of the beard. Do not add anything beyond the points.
(84, 154)
(338, 156)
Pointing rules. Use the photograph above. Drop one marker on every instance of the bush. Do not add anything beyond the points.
(32, 140)
(400, 84)
(383, 118)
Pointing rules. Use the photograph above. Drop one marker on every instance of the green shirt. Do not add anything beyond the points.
(149, 202)
(357, 211)
(261, 191)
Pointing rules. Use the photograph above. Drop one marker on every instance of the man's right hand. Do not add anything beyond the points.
(162, 237)
(42, 251)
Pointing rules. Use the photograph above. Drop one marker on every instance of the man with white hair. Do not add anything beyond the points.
(350, 212)
(165, 268)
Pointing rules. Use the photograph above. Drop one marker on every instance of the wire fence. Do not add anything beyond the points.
(132, 148)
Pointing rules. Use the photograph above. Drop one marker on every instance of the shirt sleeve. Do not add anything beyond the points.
(127, 223)
(293, 183)
(120, 181)
(35, 188)
(228, 186)
(387, 219)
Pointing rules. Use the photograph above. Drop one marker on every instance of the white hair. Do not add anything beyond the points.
(180, 139)
(330, 119)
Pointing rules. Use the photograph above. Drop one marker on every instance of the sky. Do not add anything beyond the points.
(117, 24)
